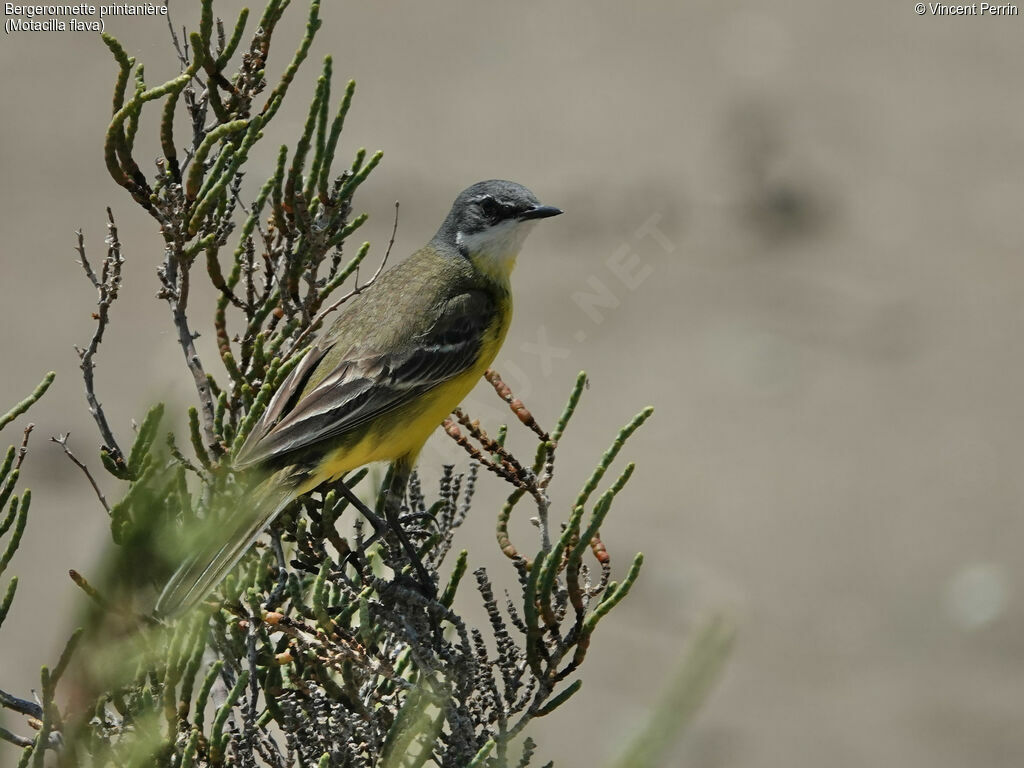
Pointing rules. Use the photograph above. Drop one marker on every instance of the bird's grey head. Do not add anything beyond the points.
(491, 218)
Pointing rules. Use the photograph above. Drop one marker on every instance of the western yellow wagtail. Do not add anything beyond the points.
(396, 361)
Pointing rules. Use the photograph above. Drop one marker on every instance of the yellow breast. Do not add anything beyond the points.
(401, 433)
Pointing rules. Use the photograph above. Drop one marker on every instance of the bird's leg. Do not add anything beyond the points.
(400, 471)
(392, 508)
(379, 526)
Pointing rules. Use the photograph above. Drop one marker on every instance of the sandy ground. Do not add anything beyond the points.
(818, 210)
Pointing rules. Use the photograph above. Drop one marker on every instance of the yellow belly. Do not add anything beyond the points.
(401, 433)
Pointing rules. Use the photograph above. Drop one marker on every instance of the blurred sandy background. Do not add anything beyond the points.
(828, 322)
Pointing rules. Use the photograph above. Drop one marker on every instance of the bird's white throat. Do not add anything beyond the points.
(494, 249)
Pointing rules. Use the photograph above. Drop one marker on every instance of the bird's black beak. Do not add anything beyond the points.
(539, 212)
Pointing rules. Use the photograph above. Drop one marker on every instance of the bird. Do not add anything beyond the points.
(397, 360)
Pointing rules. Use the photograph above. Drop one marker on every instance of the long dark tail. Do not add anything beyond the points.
(223, 545)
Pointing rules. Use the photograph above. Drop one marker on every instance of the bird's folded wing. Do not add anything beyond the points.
(368, 382)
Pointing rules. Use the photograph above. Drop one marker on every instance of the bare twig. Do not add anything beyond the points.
(89, 271)
(183, 59)
(24, 445)
(15, 739)
(21, 706)
(176, 278)
(107, 284)
(62, 441)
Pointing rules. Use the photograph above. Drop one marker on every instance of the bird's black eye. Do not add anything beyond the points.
(490, 208)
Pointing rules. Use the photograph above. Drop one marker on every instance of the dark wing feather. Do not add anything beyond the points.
(368, 383)
(283, 400)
